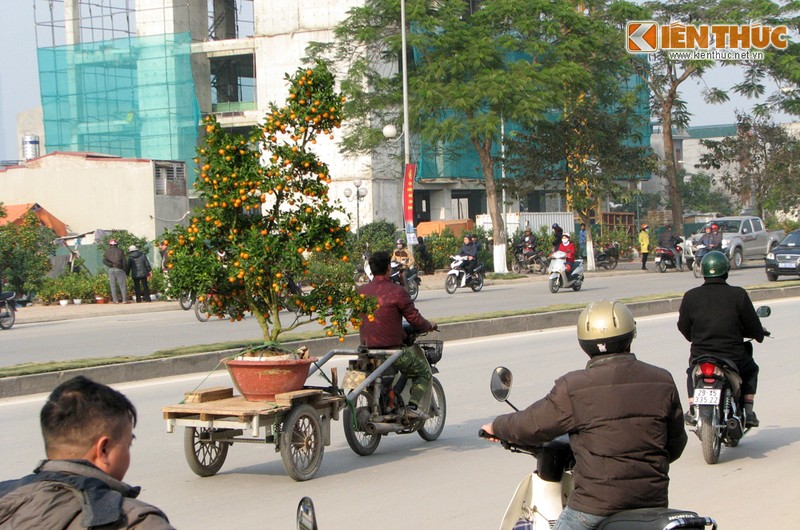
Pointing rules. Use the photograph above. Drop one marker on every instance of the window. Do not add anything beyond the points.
(170, 178)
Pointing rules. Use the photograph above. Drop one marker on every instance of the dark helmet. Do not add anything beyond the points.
(468, 235)
(715, 264)
(606, 326)
(527, 229)
(555, 225)
(400, 243)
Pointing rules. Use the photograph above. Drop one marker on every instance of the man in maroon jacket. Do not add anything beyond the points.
(386, 332)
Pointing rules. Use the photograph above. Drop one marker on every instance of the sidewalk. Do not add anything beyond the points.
(55, 312)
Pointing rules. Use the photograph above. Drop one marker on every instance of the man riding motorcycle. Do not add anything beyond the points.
(668, 239)
(623, 417)
(528, 243)
(716, 318)
(469, 249)
(716, 237)
(402, 256)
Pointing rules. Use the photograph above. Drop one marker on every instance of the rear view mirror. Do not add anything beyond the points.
(306, 517)
(500, 384)
(764, 311)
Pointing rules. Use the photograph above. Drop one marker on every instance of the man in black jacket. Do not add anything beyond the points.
(139, 269)
(623, 417)
(114, 259)
(716, 318)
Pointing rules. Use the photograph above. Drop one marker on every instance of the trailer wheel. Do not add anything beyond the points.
(205, 457)
(301, 443)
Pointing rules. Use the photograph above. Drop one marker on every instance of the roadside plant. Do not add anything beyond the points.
(267, 217)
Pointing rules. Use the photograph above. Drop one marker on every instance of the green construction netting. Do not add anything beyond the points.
(132, 97)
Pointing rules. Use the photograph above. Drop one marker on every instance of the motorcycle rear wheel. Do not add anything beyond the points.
(555, 285)
(451, 283)
(543, 265)
(413, 289)
(433, 426)
(710, 441)
(515, 266)
(9, 316)
(477, 282)
(360, 442)
(612, 262)
(662, 267)
(577, 286)
(201, 310)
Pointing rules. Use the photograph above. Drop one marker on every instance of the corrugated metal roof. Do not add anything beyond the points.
(712, 131)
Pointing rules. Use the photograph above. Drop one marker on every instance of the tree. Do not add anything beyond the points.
(25, 251)
(701, 196)
(474, 67)
(761, 162)
(268, 221)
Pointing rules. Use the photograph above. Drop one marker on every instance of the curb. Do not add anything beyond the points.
(206, 362)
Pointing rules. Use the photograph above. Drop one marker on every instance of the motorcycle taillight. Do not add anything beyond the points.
(708, 369)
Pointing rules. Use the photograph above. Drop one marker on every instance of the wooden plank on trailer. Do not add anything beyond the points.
(208, 394)
(235, 406)
(286, 399)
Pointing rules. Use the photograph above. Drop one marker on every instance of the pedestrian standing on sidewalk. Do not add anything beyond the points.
(644, 244)
(139, 269)
(114, 259)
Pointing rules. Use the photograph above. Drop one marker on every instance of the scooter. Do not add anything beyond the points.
(558, 273)
(458, 277)
(542, 495)
(665, 259)
(8, 309)
(719, 414)
(408, 279)
(608, 258)
(363, 274)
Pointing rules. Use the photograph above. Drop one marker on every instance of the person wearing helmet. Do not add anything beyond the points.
(139, 268)
(557, 233)
(114, 259)
(567, 247)
(644, 244)
(623, 418)
(707, 241)
(402, 255)
(470, 250)
(716, 318)
(528, 243)
(716, 237)
(668, 239)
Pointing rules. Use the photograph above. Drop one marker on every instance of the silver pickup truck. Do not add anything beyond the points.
(743, 238)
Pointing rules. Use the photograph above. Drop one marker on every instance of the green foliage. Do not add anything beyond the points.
(100, 285)
(441, 247)
(124, 240)
(380, 235)
(25, 251)
(157, 282)
(700, 196)
(266, 214)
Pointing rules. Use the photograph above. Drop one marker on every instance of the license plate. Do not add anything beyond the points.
(658, 259)
(787, 265)
(706, 396)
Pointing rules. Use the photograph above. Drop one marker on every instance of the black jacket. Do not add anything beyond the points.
(114, 258)
(625, 426)
(138, 265)
(716, 318)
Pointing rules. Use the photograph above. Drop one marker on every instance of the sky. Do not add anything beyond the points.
(19, 82)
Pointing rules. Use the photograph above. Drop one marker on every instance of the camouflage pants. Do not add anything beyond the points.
(415, 367)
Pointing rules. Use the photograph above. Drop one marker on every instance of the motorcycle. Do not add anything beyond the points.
(376, 395)
(8, 308)
(408, 279)
(458, 277)
(608, 257)
(558, 273)
(187, 300)
(700, 250)
(665, 259)
(533, 262)
(363, 274)
(542, 495)
(719, 414)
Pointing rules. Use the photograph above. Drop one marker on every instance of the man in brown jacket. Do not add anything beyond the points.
(88, 431)
(623, 417)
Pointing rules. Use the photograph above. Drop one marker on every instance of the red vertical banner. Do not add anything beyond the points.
(408, 196)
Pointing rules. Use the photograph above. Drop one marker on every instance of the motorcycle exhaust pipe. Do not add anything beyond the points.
(383, 428)
(735, 428)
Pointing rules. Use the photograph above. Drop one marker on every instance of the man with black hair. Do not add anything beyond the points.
(88, 432)
(385, 331)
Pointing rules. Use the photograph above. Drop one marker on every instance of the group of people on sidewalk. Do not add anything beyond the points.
(119, 267)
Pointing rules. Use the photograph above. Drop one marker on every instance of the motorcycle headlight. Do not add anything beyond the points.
(770, 255)
(725, 243)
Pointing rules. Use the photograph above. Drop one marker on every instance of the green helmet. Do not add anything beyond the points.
(715, 264)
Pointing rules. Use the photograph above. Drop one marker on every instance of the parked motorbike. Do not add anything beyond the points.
(534, 262)
(665, 259)
(8, 309)
(608, 258)
(408, 279)
(377, 393)
(458, 277)
(558, 273)
(363, 273)
(542, 495)
(719, 414)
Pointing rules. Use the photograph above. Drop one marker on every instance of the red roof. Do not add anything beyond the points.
(16, 212)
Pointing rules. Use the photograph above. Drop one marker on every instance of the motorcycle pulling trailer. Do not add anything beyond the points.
(298, 424)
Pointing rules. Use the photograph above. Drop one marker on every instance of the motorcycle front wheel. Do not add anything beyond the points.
(555, 284)
(9, 315)
(433, 426)
(515, 266)
(477, 282)
(413, 289)
(451, 283)
(201, 311)
(360, 278)
(185, 301)
(697, 269)
(360, 442)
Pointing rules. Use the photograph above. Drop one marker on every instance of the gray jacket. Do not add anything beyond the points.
(73, 494)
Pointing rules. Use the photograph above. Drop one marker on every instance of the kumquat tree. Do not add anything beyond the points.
(267, 217)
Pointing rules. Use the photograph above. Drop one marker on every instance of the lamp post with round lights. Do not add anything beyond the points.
(358, 195)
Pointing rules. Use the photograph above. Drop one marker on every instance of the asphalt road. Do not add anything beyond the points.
(458, 481)
(145, 333)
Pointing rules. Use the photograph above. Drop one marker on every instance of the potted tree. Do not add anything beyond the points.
(101, 288)
(266, 217)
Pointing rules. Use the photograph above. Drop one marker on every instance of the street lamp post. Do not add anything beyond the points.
(358, 196)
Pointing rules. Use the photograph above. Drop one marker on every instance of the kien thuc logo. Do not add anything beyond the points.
(647, 36)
